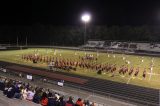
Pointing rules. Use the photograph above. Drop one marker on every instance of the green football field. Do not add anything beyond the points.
(152, 79)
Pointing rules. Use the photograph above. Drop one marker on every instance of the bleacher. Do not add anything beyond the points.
(114, 45)
(133, 46)
(155, 47)
(107, 44)
(3, 46)
(94, 44)
(123, 45)
(130, 46)
(143, 46)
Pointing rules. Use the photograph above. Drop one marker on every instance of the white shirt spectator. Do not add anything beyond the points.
(30, 95)
(57, 96)
(24, 93)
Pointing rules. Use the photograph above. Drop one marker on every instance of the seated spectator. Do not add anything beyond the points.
(11, 91)
(57, 95)
(2, 85)
(37, 96)
(17, 92)
(79, 102)
(70, 102)
(52, 101)
(27, 85)
(30, 94)
(93, 104)
(24, 93)
(61, 101)
(5, 89)
(44, 99)
(86, 103)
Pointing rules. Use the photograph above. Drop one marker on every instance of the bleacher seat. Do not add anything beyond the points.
(94, 44)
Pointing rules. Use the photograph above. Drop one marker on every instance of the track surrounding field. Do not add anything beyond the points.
(50, 75)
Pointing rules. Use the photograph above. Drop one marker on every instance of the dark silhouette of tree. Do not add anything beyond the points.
(41, 34)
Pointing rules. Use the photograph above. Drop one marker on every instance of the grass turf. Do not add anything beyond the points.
(151, 80)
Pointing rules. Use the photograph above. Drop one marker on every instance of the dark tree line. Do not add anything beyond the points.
(39, 34)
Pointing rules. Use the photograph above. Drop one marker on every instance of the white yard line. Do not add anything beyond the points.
(153, 74)
(150, 75)
(130, 79)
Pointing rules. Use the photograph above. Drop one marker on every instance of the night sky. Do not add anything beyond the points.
(68, 12)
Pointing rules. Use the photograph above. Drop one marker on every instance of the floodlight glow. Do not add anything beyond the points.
(86, 17)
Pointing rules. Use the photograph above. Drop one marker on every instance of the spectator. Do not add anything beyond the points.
(27, 85)
(70, 102)
(52, 101)
(30, 94)
(24, 93)
(57, 95)
(17, 92)
(37, 97)
(93, 104)
(61, 101)
(11, 91)
(6, 89)
(79, 102)
(44, 99)
(2, 85)
(86, 103)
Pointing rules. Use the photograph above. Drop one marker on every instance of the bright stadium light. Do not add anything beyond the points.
(85, 18)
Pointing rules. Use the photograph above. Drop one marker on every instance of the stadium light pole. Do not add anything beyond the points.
(85, 18)
(17, 41)
(26, 40)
